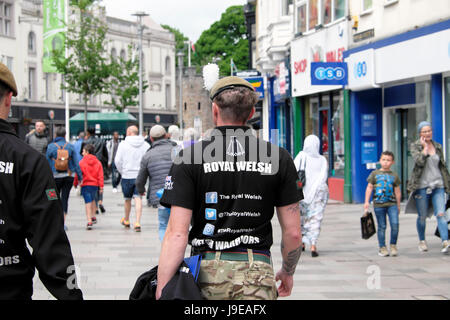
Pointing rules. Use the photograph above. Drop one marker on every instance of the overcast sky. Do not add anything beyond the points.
(191, 17)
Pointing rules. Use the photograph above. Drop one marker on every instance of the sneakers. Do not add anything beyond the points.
(126, 224)
(394, 251)
(137, 227)
(423, 246)
(102, 208)
(89, 226)
(383, 252)
(94, 220)
(114, 190)
(445, 246)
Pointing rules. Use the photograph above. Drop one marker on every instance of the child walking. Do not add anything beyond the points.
(386, 201)
(92, 171)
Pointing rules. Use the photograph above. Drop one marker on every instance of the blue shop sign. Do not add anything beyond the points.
(258, 85)
(368, 125)
(329, 73)
(369, 152)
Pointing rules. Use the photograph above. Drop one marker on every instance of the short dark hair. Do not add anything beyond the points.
(4, 90)
(60, 132)
(89, 148)
(388, 153)
(236, 104)
(91, 131)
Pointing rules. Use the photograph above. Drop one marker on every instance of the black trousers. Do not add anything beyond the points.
(64, 185)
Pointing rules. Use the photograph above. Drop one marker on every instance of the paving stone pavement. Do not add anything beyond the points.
(110, 258)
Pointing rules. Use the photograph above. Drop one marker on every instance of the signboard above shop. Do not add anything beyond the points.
(328, 73)
(258, 85)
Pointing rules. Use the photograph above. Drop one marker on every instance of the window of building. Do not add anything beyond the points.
(168, 96)
(367, 5)
(389, 2)
(301, 18)
(6, 18)
(337, 127)
(31, 42)
(123, 55)
(168, 69)
(285, 7)
(313, 13)
(32, 83)
(113, 54)
(198, 106)
(185, 106)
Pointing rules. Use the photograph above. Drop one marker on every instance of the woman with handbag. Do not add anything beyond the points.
(315, 190)
(430, 181)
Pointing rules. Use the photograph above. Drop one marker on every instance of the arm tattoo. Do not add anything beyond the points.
(294, 208)
(290, 264)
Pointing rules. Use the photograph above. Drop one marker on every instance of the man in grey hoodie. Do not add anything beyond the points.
(156, 165)
(128, 159)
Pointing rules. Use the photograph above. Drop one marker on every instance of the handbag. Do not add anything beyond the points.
(301, 172)
(367, 225)
(447, 215)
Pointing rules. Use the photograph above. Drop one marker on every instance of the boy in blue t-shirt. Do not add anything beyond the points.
(386, 201)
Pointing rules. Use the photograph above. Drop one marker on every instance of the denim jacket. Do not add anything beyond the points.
(419, 164)
(52, 152)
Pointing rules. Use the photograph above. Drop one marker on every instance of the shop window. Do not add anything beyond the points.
(447, 121)
(337, 126)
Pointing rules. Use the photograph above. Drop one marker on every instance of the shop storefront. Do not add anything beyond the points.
(319, 109)
(395, 84)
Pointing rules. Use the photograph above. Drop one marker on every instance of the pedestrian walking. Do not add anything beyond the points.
(229, 195)
(385, 186)
(92, 183)
(429, 182)
(155, 166)
(29, 210)
(63, 168)
(38, 139)
(112, 146)
(77, 147)
(101, 153)
(315, 191)
(128, 160)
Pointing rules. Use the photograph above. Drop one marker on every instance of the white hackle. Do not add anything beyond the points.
(210, 75)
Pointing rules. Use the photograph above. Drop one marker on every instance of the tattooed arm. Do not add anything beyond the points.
(291, 246)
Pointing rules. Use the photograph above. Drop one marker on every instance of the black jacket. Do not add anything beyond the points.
(30, 210)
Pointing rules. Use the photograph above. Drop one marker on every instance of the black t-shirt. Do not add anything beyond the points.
(232, 183)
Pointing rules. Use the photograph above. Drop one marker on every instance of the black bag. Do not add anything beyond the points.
(145, 287)
(182, 286)
(437, 233)
(367, 225)
(301, 172)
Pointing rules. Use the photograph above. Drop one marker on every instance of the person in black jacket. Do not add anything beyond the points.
(29, 210)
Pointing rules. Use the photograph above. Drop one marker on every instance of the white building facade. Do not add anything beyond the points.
(39, 93)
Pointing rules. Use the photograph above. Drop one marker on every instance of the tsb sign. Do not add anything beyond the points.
(328, 73)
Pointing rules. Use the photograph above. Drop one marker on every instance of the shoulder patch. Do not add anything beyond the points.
(51, 194)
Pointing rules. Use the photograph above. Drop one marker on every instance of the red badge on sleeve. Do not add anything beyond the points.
(51, 194)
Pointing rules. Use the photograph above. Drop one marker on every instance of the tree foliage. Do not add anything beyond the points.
(180, 38)
(86, 69)
(226, 39)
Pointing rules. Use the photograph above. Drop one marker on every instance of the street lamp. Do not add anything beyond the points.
(139, 15)
(180, 56)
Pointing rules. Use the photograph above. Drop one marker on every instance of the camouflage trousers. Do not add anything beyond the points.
(237, 280)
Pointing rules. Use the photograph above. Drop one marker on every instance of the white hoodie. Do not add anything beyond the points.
(129, 155)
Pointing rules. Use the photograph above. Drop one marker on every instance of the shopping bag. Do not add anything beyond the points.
(447, 216)
(367, 225)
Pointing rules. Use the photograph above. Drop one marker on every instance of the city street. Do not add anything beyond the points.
(110, 258)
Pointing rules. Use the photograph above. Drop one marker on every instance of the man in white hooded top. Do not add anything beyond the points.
(128, 160)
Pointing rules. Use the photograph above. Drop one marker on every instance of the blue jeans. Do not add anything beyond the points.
(129, 188)
(163, 219)
(381, 213)
(437, 197)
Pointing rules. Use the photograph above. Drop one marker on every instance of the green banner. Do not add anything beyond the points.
(54, 31)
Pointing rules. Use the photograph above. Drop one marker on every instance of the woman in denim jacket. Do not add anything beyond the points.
(430, 180)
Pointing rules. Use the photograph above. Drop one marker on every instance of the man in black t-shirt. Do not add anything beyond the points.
(228, 186)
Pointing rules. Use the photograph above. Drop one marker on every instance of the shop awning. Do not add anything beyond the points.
(108, 121)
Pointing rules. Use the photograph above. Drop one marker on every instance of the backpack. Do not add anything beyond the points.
(62, 158)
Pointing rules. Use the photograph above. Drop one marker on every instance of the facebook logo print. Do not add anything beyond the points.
(208, 230)
(211, 197)
(210, 214)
